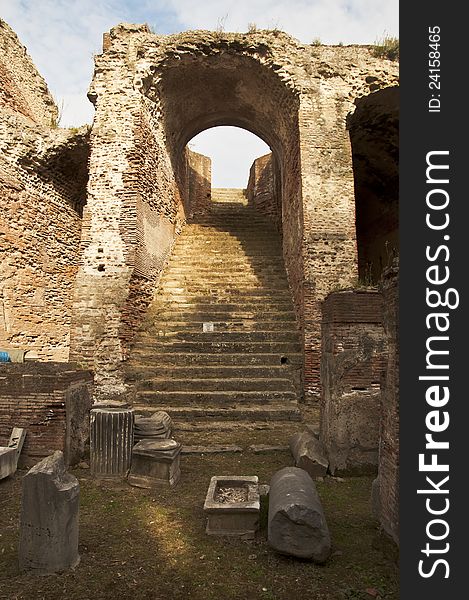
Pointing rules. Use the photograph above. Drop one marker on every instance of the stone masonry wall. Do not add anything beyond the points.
(262, 191)
(22, 89)
(51, 401)
(199, 182)
(353, 354)
(153, 94)
(388, 473)
(43, 175)
(134, 211)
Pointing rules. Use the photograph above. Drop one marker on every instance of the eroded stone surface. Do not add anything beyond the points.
(9, 455)
(111, 440)
(297, 525)
(155, 463)
(352, 364)
(309, 454)
(238, 517)
(49, 517)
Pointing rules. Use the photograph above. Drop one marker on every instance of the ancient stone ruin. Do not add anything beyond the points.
(118, 258)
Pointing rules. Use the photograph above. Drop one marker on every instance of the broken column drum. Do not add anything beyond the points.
(111, 440)
(49, 517)
(297, 525)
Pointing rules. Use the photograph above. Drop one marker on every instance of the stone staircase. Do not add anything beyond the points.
(220, 340)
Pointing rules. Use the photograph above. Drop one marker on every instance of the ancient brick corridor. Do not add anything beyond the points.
(226, 270)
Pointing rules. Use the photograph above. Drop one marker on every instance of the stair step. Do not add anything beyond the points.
(245, 413)
(215, 315)
(228, 384)
(219, 398)
(217, 337)
(149, 358)
(219, 326)
(210, 372)
(215, 347)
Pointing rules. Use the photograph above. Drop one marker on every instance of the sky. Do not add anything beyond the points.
(63, 35)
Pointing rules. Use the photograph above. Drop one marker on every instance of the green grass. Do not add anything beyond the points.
(386, 47)
(142, 544)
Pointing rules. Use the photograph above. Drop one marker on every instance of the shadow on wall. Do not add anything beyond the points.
(65, 166)
(374, 136)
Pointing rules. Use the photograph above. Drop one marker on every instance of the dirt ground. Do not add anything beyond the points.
(152, 545)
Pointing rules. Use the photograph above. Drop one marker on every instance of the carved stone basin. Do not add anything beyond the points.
(232, 506)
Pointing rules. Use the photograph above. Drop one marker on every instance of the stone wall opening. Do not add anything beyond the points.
(374, 136)
(153, 94)
(200, 91)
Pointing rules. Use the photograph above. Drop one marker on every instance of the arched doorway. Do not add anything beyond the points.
(155, 93)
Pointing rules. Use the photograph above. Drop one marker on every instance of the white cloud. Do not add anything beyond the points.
(333, 21)
(62, 35)
(232, 150)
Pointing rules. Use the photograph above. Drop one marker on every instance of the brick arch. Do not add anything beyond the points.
(152, 94)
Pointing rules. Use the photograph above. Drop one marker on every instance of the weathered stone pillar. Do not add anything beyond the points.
(49, 517)
(386, 487)
(352, 361)
(111, 439)
(297, 524)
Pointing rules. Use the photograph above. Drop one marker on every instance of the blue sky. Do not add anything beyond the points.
(62, 35)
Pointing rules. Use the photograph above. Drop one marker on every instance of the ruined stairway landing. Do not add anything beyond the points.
(226, 271)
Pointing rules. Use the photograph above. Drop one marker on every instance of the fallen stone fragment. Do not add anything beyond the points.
(297, 525)
(308, 454)
(49, 517)
(10, 454)
(216, 449)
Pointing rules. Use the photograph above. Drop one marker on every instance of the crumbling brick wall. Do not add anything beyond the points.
(352, 363)
(152, 95)
(43, 176)
(22, 89)
(51, 401)
(199, 182)
(262, 191)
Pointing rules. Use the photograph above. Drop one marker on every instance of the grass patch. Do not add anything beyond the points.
(152, 545)
(386, 47)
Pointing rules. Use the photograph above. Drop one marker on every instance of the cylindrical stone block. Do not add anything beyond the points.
(111, 440)
(49, 517)
(297, 525)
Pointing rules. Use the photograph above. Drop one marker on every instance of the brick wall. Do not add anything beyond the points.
(52, 402)
(22, 89)
(262, 190)
(43, 176)
(352, 363)
(199, 182)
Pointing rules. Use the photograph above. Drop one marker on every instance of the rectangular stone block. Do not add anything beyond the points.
(238, 518)
(155, 463)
